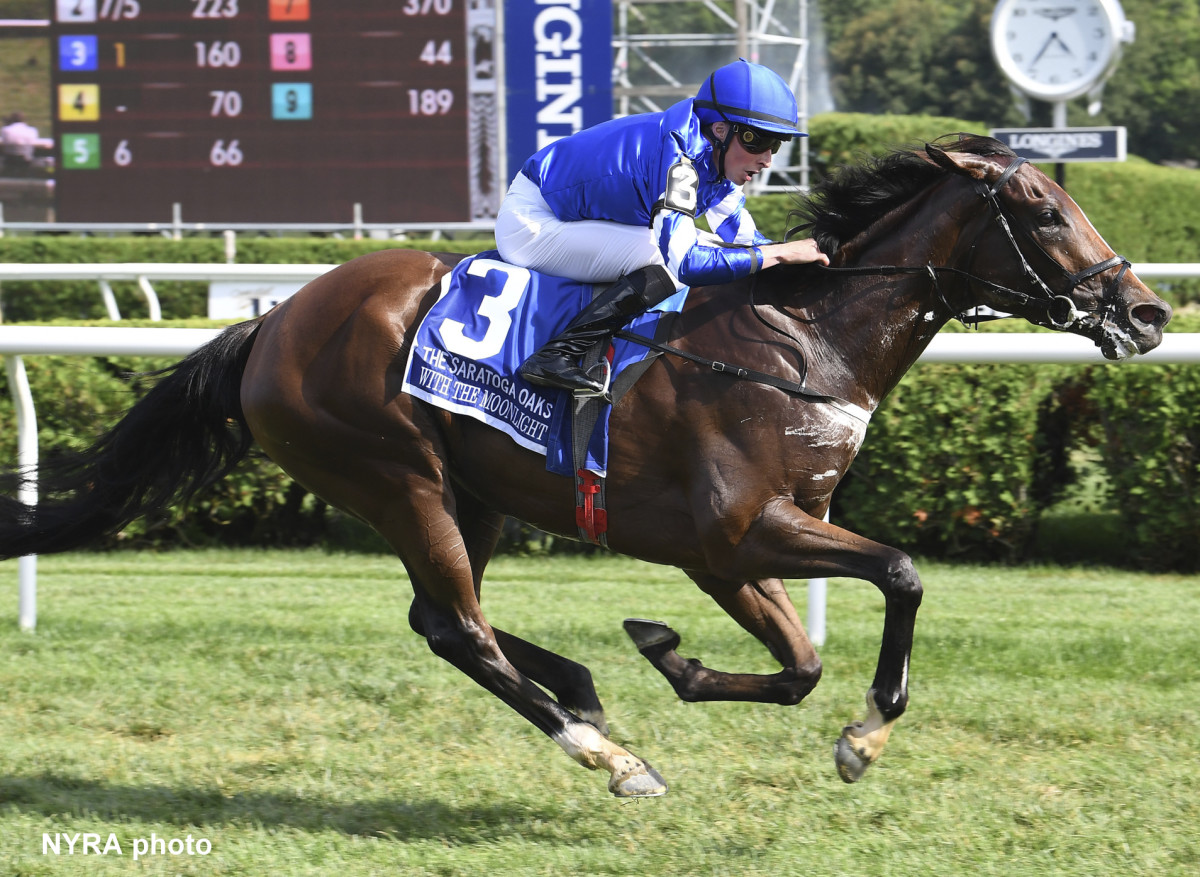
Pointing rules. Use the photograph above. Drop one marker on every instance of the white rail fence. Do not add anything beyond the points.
(19, 341)
(107, 273)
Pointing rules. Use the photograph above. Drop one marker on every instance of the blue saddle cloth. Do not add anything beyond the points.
(490, 318)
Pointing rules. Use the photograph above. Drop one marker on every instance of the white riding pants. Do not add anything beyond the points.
(588, 250)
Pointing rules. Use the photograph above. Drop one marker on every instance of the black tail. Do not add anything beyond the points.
(186, 433)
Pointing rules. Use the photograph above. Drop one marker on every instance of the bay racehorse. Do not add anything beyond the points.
(725, 478)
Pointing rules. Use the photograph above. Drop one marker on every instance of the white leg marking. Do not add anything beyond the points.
(583, 743)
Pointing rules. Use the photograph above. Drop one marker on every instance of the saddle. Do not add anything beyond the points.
(489, 318)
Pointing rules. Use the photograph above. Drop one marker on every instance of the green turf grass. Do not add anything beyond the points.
(275, 705)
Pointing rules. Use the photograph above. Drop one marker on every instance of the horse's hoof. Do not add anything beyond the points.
(850, 764)
(641, 782)
(648, 634)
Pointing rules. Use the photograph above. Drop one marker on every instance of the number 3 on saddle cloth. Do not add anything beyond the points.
(490, 317)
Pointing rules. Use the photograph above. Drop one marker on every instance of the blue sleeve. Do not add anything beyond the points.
(686, 190)
(695, 263)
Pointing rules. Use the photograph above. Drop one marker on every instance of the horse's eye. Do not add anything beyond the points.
(1048, 217)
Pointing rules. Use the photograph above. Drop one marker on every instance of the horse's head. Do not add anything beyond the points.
(1042, 260)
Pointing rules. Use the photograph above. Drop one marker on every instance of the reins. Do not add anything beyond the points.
(1060, 310)
(796, 388)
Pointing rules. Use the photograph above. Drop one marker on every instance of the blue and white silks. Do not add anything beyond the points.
(622, 171)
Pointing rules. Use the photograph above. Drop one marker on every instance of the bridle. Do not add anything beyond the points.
(1058, 307)
(1059, 303)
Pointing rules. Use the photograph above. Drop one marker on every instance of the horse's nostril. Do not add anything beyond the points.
(1150, 315)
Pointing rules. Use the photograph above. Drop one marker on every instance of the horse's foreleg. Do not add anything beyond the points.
(862, 742)
(764, 609)
(797, 545)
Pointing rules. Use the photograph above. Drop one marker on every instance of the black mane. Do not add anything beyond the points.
(844, 204)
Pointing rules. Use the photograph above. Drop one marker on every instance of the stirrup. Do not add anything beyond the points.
(605, 385)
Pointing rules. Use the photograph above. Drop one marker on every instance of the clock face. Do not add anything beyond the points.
(1056, 49)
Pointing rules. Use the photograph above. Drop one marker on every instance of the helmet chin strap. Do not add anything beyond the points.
(722, 148)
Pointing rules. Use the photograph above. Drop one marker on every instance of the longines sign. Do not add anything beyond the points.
(1065, 144)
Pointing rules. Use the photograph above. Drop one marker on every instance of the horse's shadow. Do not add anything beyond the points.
(84, 802)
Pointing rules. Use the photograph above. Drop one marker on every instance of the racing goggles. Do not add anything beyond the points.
(756, 142)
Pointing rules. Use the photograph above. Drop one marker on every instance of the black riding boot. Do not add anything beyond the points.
(557, 363)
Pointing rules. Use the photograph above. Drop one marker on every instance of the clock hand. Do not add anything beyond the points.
(1050, 39)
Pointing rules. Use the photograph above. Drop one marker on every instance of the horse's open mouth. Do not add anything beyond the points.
(1118, 347)
(1140, 332)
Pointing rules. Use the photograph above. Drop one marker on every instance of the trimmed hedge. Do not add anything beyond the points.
(1147, 425)
(960, 462)
(969, 461)
(78, 397)
(947, 469)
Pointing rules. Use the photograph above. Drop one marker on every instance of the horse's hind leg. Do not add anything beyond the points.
(764, 609)
(420, 524)
(569, 682)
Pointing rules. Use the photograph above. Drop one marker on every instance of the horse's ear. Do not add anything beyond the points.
(963, 163)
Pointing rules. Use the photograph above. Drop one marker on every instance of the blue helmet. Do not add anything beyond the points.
(749, 94)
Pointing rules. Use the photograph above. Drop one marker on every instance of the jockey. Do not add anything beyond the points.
(618, 201)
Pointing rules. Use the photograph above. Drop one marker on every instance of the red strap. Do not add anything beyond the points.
(589, 519)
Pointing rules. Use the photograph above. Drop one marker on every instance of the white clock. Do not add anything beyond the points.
(1056, 50)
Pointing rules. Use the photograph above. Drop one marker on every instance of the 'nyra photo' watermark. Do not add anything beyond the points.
(90, 843)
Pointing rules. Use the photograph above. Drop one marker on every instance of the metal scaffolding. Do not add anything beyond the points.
(651, 70)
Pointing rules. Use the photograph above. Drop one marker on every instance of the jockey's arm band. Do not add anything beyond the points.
(680, 194)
